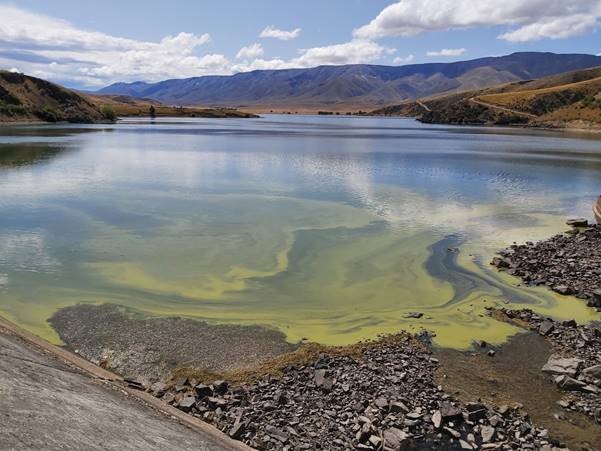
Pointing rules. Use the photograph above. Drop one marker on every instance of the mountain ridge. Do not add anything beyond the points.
(356, 85)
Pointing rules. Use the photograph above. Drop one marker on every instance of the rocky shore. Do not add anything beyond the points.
(569, 264)
(575, 366)
(374, 396)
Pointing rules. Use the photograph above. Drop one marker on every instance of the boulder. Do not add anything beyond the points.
(562, 366)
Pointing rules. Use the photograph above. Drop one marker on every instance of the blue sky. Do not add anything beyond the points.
(82, 45)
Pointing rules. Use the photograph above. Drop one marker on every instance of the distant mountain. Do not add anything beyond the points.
(25, 98)
(352, 86)
(568, 100)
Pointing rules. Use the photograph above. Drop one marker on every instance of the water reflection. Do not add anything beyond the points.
(327, 228)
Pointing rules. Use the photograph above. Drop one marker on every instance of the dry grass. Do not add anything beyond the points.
(306, 354)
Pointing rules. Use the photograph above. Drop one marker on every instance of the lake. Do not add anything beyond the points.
(331, 229)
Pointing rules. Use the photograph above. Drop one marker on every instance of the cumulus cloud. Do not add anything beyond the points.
(403, 59)
(272, 32)
(529, 20)
(446, 52)
(53, 48)
(352, 52)
(252, 51)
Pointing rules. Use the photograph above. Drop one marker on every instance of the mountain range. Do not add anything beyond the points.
(357, 86)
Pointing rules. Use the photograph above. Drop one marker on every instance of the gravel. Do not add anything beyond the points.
(569, 264)
(385, 398)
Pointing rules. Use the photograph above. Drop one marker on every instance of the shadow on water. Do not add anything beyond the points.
(25, 154)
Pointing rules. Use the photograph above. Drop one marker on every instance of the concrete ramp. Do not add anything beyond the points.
(48, 403)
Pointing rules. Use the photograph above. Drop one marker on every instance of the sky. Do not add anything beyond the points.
(88, 45)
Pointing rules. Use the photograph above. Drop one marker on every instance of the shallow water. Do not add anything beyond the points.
(327, 228)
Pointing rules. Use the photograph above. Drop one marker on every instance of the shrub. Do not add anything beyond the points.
(47, 114)
(108, 113)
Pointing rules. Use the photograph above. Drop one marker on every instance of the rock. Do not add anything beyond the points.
(203, 391)
(237, 431)
(595, 300)
(465, 445)
(563, 289)
(381, 403)
(569, 384)
(394, 438)
(593, 371)
(449, 412)
(491, 353)
(476, 411)
(487, 433)
(559, 365)
(577, 222)
(545, 328)
(375, 441)
(322, 381)
(415, 315)
(451, 431)
(437, 419)
(187, 403)
(220, 387)
(398, 407)
(158, 389)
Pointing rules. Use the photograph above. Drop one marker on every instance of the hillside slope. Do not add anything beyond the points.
(123, 105)
(25, 98)
(339, 87)
(571, 99)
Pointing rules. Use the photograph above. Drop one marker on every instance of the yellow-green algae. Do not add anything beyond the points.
(319, 270)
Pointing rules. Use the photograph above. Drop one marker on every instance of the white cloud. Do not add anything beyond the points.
(353, 52)
(252, 51)
(272, 32)
(552, 28)
(56, 50)
(14, 70)
(447, 52)
(401, 60)
(66, 53)
(535, 19)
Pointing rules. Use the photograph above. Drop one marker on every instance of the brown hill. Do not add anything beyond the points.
(123, 105)
(25, 98)
(571, 99)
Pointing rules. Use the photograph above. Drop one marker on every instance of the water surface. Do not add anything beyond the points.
(327, 228)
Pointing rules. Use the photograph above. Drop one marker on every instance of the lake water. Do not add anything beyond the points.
(327, 228)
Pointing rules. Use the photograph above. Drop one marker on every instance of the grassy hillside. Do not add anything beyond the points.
(124, 106)
(351, 87)
(571, 99)
(24, 98)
